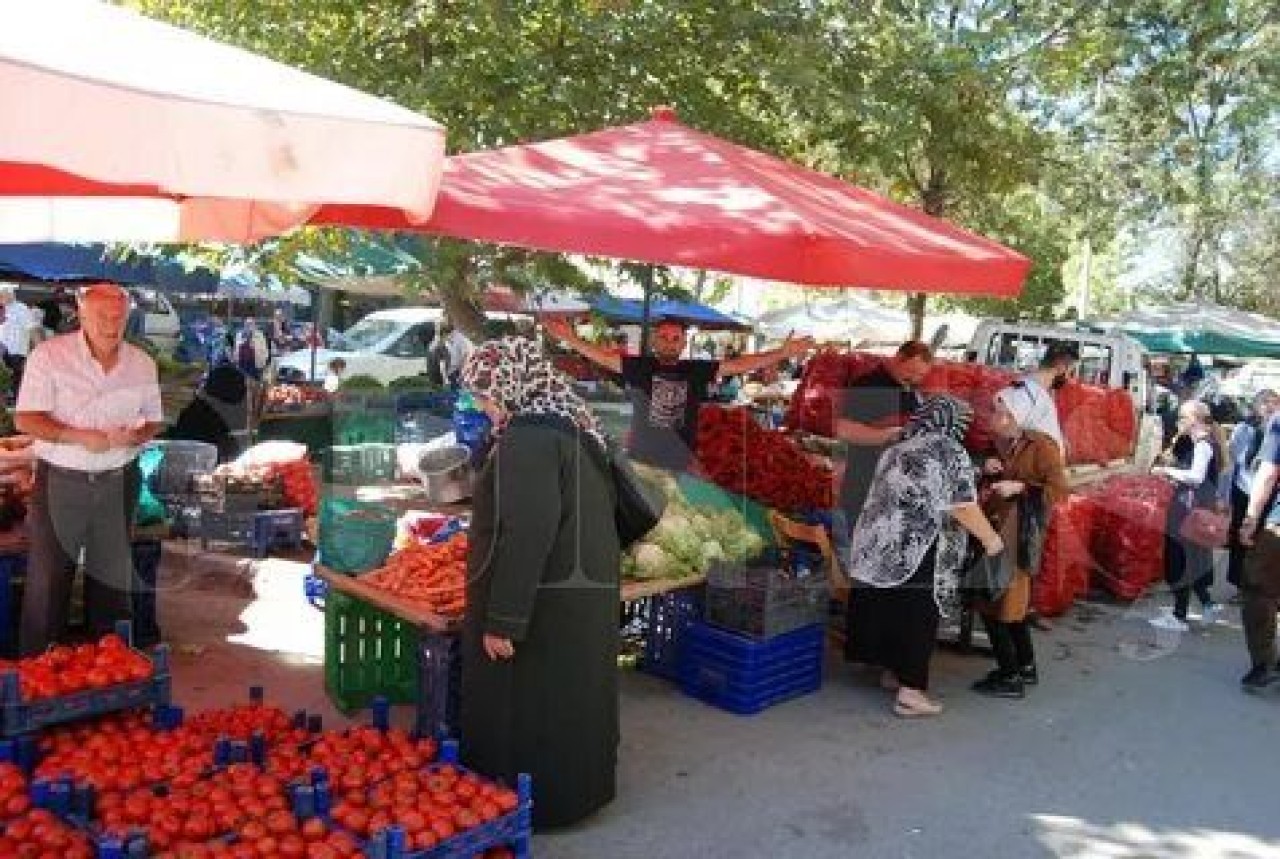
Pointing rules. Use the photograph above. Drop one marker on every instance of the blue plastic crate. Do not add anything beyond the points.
(21, 717)
(273, 529)
(745, 675)
(664, 619)
(12, 568)
(514, 830)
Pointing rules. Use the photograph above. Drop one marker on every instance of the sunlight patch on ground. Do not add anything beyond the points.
(279, 619)
(1071, 837)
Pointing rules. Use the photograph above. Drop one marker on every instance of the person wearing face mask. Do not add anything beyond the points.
(1197, 459)
(1057, 367)
(1031, 480)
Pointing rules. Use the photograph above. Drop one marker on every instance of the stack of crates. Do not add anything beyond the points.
(744, 675)
(364, 419)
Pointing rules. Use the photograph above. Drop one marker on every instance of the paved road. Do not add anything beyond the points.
(1131, 747)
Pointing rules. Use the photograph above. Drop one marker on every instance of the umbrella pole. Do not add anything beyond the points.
(645, 308)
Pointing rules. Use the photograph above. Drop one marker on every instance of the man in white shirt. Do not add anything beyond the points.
(15, 330)
(459, 349)
(1056, 368)
(90, 400)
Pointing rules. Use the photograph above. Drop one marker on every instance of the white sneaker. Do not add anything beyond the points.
(1170, 623)
(1211, 614)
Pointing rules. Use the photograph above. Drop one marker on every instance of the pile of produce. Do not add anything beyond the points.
(39, 834)
(284, 397)
(17, 479)
(1067, 564)
(63, 670)
(1100, 424)
(738, 454)
(688, 539)
(433, 575)
(285, 463)
(161, 785)
(1129, 533)
(817, 401)
(430, 805)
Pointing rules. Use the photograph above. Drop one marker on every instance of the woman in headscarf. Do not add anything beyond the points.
(220, 408)
(908, 548)
(540, 640)
(1031, 481)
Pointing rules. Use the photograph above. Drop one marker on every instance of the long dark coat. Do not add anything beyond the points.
(543, 571)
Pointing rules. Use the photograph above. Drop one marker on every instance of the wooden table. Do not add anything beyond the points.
(418, 616)
(404, 609)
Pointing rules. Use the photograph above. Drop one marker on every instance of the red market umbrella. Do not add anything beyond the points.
(118, 127)
(661, 192)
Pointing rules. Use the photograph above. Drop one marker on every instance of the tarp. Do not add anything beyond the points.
(628, 311)
(1207, 329)
(118, 127)
(858, 320)
(51, 261)
(661, 192)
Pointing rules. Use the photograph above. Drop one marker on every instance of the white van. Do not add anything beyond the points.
(386, 344)
(1109, 360)
(160, 322)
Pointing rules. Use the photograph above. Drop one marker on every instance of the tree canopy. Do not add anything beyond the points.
(1052, 127)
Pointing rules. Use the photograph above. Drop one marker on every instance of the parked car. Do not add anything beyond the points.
(386, 344)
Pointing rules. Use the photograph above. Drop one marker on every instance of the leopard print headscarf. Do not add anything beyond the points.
(514, 373)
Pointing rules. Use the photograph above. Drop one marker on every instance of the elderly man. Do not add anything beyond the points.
(90, 400)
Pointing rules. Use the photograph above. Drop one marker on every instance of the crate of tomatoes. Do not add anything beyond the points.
(67, 684)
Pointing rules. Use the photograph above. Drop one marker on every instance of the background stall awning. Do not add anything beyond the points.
(1208, 329)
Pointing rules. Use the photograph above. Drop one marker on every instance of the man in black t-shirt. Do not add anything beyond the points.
(666, 390)
(875, 409)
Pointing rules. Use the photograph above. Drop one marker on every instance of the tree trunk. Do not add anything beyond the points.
(456, 300)
(933, 200)
(917, 303)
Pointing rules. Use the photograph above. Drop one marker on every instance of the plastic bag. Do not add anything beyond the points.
(355, 536)
(150, 511)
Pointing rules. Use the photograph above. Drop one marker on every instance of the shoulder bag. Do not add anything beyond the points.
(638, 504)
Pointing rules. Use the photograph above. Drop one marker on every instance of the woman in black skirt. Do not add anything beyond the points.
(907, 550)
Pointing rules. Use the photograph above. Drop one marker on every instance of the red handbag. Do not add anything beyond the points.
(1206, 528)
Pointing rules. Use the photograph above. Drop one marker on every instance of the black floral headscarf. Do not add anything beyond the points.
(515, 374)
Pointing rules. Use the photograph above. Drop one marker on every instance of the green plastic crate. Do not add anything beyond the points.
(367, 652)
(368, 427)
(360, 464)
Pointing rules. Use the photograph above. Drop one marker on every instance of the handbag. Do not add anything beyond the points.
(638, 504)
(1206, 528)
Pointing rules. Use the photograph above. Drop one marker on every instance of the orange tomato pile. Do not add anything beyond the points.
(63, 670)
(433, 574)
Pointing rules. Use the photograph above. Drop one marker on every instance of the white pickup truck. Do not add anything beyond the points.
(1107, 359)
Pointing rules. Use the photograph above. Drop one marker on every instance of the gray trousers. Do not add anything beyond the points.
(73, 511)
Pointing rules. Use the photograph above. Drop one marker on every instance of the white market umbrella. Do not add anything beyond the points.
(116, 127)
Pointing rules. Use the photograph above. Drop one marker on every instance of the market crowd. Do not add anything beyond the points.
(923, 528)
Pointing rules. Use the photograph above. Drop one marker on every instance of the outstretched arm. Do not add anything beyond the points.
(561, 330)
(791, 348)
